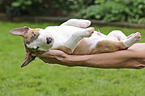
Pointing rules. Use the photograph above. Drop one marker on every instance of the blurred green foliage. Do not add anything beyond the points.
(132, 11)
(22, 3)
(45, 7)
(1, 1)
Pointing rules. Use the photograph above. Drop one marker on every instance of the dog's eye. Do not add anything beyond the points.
(49, 40)
(34, 34)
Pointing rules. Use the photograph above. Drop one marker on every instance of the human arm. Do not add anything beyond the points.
(134, 57)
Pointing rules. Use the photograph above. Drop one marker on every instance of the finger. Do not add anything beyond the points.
(140, 66)
(52, 53)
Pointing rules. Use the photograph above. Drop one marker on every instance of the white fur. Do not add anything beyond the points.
(68, 36)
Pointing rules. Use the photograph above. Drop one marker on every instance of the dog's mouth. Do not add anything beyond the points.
(29, 51)
(29, 57)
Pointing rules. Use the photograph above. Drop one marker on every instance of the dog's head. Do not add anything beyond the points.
(30, 36)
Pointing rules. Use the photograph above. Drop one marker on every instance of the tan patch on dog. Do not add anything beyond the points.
(102, 46)
(82, 48)
(31, 35)
(108, 46)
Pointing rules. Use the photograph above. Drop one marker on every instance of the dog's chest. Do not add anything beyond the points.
(62, 31)
(61, 34)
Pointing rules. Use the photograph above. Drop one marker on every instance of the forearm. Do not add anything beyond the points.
(120, 59)
(132, 58)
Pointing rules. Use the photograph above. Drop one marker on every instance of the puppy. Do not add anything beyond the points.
(73, 37)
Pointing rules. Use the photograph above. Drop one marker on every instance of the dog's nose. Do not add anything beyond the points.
(49, 40)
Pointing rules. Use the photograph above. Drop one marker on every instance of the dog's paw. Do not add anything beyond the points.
(88, 32)
(132, 39)
(136, 37)
(85, 23)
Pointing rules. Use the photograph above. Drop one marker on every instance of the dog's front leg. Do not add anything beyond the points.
(72, 42)
(77, 23)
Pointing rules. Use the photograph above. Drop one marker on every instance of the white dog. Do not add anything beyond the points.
(69, 37)
(73, 37)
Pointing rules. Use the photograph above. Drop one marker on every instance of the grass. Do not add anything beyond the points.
(41, 79)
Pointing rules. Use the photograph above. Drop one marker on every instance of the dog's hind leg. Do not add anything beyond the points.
(128, 41)
(120, 36)
(110, 46)
(133, 39)
(77, 23)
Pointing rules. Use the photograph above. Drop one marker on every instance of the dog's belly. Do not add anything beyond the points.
(87, 45)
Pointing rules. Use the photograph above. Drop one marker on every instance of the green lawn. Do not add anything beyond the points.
(41, 79)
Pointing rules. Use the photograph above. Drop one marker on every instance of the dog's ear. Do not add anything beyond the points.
(19, 31)
(28, 59)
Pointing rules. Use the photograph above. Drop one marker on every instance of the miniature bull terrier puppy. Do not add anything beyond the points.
(73, 37)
